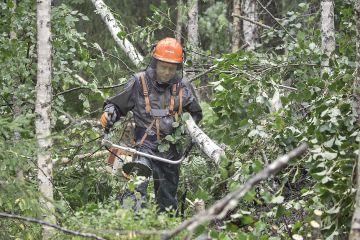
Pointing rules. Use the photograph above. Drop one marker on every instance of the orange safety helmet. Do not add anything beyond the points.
(168, 50)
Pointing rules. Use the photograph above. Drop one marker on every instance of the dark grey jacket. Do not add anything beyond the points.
(132, 99)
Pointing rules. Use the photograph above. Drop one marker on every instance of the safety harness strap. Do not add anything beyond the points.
(157, 122)
(146, 132)
(146, 93)
(180, 101)
(172, 98)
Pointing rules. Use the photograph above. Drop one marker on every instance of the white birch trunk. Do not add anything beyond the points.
(212, 150)
(179, 17)
(43, 111)
(327, 32)
(236, 28)
(355, 224)
(250, 29)
(114, 28)
(193, 31)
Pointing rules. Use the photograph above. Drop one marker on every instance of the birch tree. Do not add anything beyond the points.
(236, 28)
(43, 111)
(193, 28)
(327, 32)
(250, 29)
(355, 225)
(114, 29)
(178, 30)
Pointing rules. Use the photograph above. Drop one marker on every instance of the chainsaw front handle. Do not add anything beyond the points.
(109, 144)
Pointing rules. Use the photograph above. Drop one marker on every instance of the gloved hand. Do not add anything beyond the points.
(109, 116)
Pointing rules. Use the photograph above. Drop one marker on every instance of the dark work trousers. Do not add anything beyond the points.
(166, 179)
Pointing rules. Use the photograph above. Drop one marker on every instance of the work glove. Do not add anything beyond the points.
(109, 116)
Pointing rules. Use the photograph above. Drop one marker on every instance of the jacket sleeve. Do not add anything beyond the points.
(125, 100)
(191, 103)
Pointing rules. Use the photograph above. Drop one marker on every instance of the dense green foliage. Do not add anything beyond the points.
(317, 109)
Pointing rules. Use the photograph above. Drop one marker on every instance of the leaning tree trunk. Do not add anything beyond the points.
(327, 32)
(212, 150)
(179, 17)
(114, 28)
(355, 225)
(43, 111)
(250, 29)
(236, 26)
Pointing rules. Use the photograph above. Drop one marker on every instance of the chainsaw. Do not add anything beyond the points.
(132, 167)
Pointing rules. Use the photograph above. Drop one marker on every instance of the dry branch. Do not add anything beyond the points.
(33, 220)
(252, 21)
(230, 201)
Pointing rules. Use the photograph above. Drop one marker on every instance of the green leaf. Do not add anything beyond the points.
(329, 155)
(247, 219)
(163, 147)
(170, 138)
(122, 35)
(278, 200)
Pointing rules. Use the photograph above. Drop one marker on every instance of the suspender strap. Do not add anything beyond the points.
(180, 100)
(146, 132)
(172, 98)
(157, 122)
(146, 93)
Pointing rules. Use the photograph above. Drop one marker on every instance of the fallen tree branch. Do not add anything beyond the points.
(85, 87)
(114, 29)
(230, 201)
(252, 21)
(212, 150)
(33, 220)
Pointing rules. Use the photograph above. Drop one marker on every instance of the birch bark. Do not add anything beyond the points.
(212, 150)
(327, 32)
(114, 28)
(236, 26)
(43, 111)
(250, 29)
(193, 28)
(178, 30)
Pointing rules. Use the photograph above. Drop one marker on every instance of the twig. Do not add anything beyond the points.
(27, 219)
(214, 66)
(252, 21)
(220, 209)
(276, 20)
(85, 87)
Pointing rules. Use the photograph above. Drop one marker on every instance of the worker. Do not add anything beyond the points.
(157, 97)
